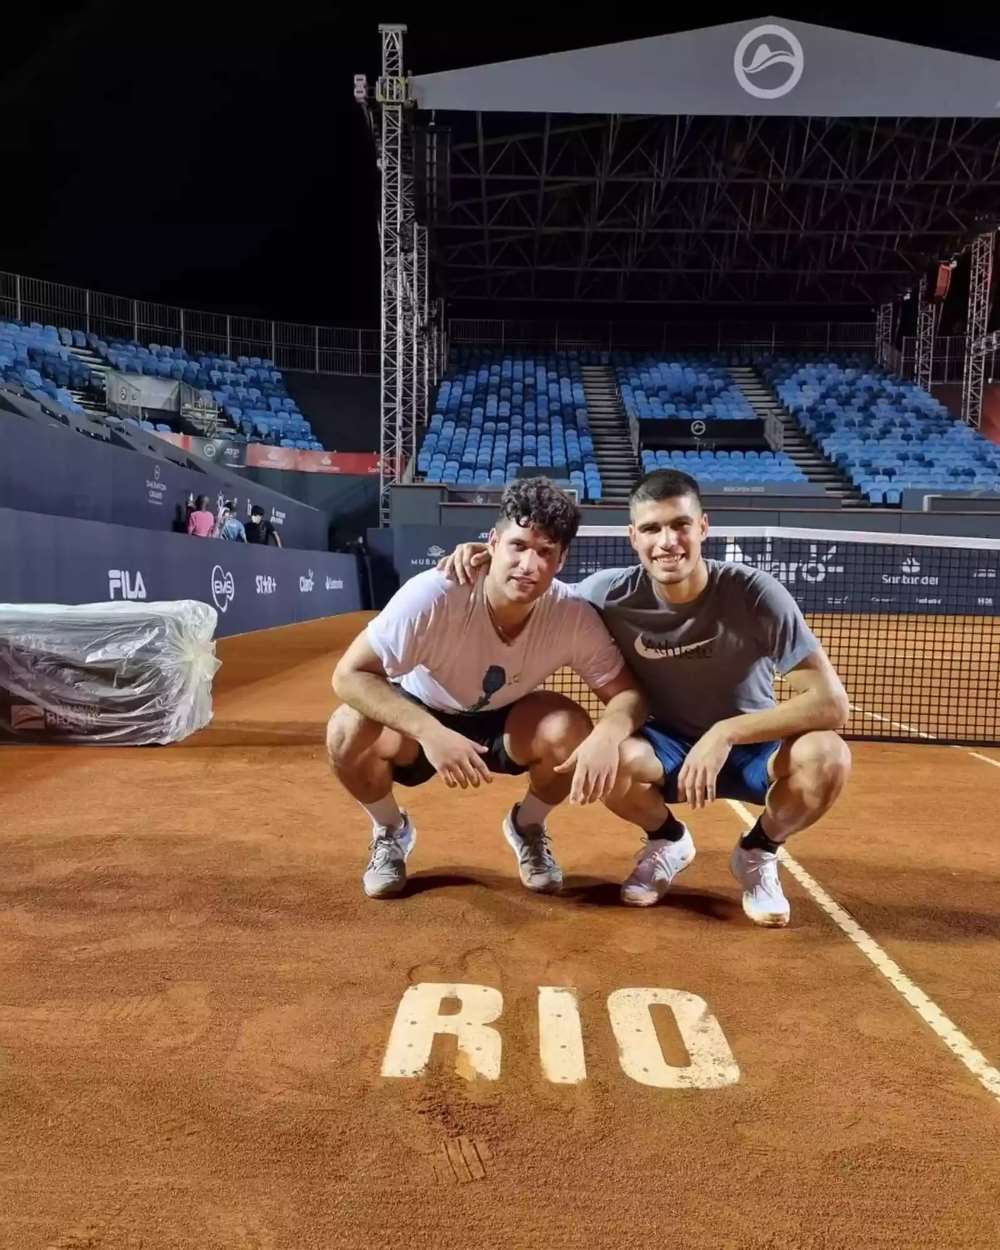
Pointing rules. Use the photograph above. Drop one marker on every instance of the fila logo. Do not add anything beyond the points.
(127, 584)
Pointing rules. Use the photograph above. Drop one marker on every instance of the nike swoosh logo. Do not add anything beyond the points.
(665, 653)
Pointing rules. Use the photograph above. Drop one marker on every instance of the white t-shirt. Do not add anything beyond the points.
(436, 640)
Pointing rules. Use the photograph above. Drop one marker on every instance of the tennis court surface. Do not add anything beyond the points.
(199, 1005)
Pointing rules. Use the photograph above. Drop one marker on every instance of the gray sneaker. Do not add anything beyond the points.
(535, 863)
(386, 871)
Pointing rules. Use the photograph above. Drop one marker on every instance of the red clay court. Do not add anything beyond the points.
(198, 1002)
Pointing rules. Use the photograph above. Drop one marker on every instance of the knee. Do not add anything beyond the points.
(560, 733)
(560, 728)
(636, 767)
(348, 735)
(824, 764)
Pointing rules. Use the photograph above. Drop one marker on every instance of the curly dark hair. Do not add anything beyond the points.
(536, 502)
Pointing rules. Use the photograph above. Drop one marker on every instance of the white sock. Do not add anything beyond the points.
(385, 812)
(532, 811)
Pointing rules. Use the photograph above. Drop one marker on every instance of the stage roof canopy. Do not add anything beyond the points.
(765, 161)
(769, 67)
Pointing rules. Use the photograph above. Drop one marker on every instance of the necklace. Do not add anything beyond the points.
(504, 636)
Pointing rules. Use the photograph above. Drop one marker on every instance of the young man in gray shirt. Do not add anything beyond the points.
(705, 639)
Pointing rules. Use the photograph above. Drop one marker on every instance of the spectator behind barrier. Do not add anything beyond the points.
(258, 530)
(201, 522)
(230, 527)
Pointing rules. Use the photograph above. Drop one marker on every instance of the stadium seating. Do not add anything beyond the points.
(250, 391)
(679, 388)
(750, 467)
(35, 358)
(885, 434)
(499, 411)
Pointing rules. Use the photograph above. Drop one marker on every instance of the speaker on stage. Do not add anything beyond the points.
(940, 282)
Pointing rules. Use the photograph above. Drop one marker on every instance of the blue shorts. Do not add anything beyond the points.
(743, 776)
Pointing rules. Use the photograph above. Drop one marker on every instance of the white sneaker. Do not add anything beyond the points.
(536, 864)
(386, 871)
(764, 900)
(656, 865)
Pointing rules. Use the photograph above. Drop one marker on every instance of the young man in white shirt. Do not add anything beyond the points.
(446, 680)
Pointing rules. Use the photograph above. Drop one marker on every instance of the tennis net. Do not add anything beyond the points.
(909, 621)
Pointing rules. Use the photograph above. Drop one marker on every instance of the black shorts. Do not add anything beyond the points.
(486, 728)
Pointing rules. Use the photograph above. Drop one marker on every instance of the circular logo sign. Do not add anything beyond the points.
(698, 428)
(209, 451)
(768, 62)
(223, 588)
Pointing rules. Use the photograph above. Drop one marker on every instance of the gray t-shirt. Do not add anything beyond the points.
(715, 657)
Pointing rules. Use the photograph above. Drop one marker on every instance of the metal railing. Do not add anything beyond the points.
(948, 361)
(749, 336)
(309, 348)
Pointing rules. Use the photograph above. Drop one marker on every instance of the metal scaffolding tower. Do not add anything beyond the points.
(926, 328)
(979, 307)
(397, 236)
(421, 353)
(883, 334)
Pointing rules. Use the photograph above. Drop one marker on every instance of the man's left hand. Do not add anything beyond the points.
(700, 771)
(594, 765)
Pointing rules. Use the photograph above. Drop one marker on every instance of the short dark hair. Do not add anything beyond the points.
(256, 510)
(665, 484)
(536, 502)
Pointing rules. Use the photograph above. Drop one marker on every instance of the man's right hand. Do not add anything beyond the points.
(464, 563)
(456, 758)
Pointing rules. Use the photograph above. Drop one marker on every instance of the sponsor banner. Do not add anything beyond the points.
(831, 576)
(265, 456)
(416, 548)
(356, 464)
(693, 432)
(47, 559)
(824, 576)
(218, 450)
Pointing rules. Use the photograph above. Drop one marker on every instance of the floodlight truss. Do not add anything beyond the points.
(421, 347)
(702, 210)
(974, 370)
(398, 264)
(883, 333)
(927, 318)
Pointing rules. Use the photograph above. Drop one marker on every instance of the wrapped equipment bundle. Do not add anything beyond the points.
(114, 674)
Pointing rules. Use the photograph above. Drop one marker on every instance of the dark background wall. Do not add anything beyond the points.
(52, 469)
(349, 505)
(343, 412)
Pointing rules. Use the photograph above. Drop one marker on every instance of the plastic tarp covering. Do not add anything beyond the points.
(115, 674)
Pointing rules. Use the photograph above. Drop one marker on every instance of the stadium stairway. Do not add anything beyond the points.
(94, 407)
(609, 427)
(796, 444)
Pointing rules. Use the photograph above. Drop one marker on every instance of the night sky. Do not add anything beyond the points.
(188, 154)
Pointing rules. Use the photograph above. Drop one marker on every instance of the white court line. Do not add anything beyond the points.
(896, 724)
(948, 1032)
(910, 729)
(985, 758)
